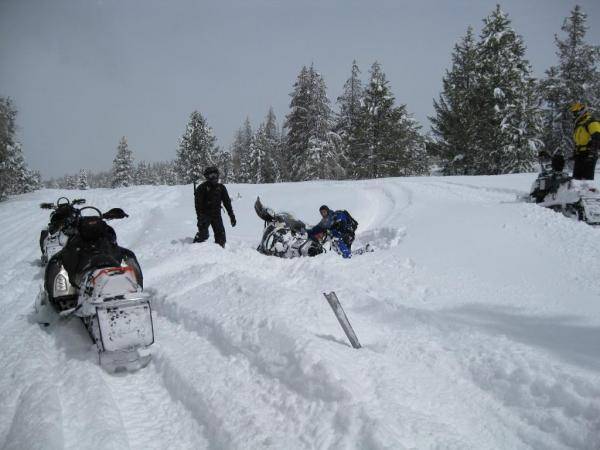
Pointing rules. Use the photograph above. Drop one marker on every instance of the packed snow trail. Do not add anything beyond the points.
(479, 317)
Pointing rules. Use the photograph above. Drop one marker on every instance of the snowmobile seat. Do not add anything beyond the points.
(92, 228)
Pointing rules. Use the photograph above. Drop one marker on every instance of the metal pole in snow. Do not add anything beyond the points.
(336, 306)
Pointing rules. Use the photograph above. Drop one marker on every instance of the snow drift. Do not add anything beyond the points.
(479, 318)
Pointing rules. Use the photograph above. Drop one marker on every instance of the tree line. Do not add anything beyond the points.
(492, 117)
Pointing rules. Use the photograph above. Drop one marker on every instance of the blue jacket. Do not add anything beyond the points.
(339, 218)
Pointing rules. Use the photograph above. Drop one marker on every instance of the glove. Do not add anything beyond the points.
(233, 221)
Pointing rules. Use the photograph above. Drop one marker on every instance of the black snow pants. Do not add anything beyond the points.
(584, 166)
(216, 222)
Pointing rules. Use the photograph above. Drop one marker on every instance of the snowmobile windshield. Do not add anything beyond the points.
(290, 221)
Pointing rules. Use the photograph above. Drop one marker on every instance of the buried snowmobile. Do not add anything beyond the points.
(287, 237)
(284, 235)
(101, 283)
(556, 190)
(63, 221)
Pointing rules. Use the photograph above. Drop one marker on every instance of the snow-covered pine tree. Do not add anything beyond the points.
(7, 132)
(168, 173)
(309, 125)
(123, 170)
(454, 125)
(349, 121)
(20, 178)
(264, 156)
(15, 177)
(261, 164)
(235, 152)
(509, 121)
(273, 144)
(390, 137)
(143, 174)
(296, 123)
(196, 151)
(71, 182)
(225, 164)
(576, 77)
(244, 149)
(82, 180)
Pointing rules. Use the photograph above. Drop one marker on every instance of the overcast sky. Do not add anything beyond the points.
(83, 73)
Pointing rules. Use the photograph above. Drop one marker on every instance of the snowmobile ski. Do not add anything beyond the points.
(336, 306)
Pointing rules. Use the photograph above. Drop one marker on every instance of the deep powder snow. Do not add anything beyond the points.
(479, 318)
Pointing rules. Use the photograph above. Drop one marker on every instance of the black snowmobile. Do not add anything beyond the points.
(557, 190)
(101, 283)
(62, 225)
(284, 235)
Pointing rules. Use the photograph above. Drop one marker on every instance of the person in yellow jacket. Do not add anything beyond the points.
(586, 134)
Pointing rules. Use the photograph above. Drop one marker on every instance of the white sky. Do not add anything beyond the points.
(83, 73)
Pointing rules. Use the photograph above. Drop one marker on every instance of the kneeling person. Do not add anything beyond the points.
(340, 225)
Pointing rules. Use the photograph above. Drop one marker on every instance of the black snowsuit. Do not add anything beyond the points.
(208, 199)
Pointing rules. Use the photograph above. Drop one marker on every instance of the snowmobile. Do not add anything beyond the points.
(287, 237)
(102, 284)
(556, 190)
(284, 235)
(63, 220)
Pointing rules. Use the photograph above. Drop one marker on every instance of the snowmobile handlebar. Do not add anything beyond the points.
(112, 214)
(77, 201)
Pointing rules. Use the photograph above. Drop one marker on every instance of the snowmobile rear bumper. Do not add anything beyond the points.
(591, 210)
(124, 326)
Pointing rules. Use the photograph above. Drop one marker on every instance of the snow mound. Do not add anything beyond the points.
(478, 315)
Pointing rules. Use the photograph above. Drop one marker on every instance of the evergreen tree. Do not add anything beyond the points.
(122, 170)
(71, 182)
(264, 151)
(508, 124)
(454, 125)
(144, 175)
(7, 133)
(244, 148)
(262, 166)
(308, 125)
(575, 78)
(390, 137)
(165, 173)
(272, 138)
(82, 180)
(225, 164)
(349, 120)
(15, 177)
(196, 151)
(296, 123)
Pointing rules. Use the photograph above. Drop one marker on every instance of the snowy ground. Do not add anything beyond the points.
(479, 317)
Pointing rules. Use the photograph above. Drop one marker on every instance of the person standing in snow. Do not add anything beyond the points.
(208, 198)
(340, 225)
(586, 134)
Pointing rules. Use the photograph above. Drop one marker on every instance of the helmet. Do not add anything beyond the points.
(211, 170)
(324, 207)
(577, 109)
